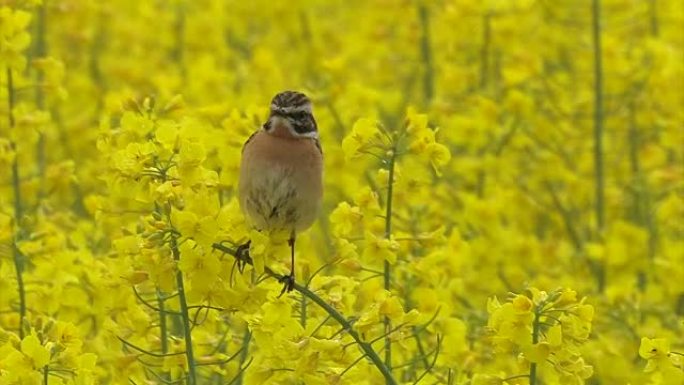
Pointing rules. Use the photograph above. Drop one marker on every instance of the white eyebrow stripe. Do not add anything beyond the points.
(291, 109)
(310, 134)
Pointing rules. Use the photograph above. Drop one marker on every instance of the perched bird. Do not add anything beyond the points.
(281, 173)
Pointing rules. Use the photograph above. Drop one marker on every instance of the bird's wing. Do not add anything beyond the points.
(249, 139)
(317, 143)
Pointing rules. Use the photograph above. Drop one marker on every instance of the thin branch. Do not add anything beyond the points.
(367, 348)
(320, 325)
(434, 361)
(18, 213)
(238, 376)
(192, 376)
(356, 361)
(143, 351)
(221, 362)
(149, 305)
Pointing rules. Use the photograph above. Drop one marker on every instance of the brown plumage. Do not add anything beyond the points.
(282, 170)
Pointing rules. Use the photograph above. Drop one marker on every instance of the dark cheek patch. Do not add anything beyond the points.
(307, 125)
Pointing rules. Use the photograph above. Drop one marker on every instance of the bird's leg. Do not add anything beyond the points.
(242, 254)
(289, 280)
(291, 242)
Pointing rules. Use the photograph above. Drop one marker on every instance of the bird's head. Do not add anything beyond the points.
(291, 116)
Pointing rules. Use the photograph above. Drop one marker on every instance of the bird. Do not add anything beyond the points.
(281, 172)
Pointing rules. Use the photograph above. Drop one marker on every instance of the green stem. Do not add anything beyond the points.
(484, 50)
(426, 52)
(421, 349)
(366, 347)
(535, 340)
(302, 312)
(387, 273)
(653, 11)
(566, 215)
(640, 212)
(94, 55)
(18, 214)
(598, 115)
(246, 337)
(40, 52)
(598, 132)
(162, 323)
(46, 370)
(163, 329)
(192, 376)
(484, 79)
(332, 312)
(179, 46)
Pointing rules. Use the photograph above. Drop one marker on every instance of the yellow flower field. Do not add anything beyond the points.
(504, 193)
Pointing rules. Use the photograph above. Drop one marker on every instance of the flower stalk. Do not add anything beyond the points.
(185, 315)
(163, 328)
(598, 133)
(426, 53)
(332, 312)
(535, 340)
(18, 213)
(40, 51)
(387, 272)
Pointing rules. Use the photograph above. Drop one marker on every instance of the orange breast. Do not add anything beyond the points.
(281, 182)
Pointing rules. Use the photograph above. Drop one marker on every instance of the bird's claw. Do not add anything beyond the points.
(242, 254)
(288, 282)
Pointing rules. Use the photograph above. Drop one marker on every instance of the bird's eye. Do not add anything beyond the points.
(299, 115)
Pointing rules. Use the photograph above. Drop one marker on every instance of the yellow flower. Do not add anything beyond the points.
(13, 37)
(135, 126)
(167, 134)
(391, 308)
(555, 335)
(380, 249)
(567, 297)
(194, 261)
(127, 245)
(133, 159)
(486, 379)
(6, 231)
(367, 201)
(536, 353)
(33, 350)
(258, 249)
(53, 72)
(364, 135)
(347, 253)
(416, 122)
(522, 304)
(203, 230)
(191, 154)
(345, 218)
(654, 348)
(67, 335)
(439, 156)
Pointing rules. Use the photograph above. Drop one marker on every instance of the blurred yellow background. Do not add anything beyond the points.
(473, 150)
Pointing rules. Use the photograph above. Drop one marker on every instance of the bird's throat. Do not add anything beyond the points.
(281, 128)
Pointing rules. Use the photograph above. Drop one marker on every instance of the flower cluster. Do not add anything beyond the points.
(49, 349)
(664, 365)
(547, 331)
(472, 150)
